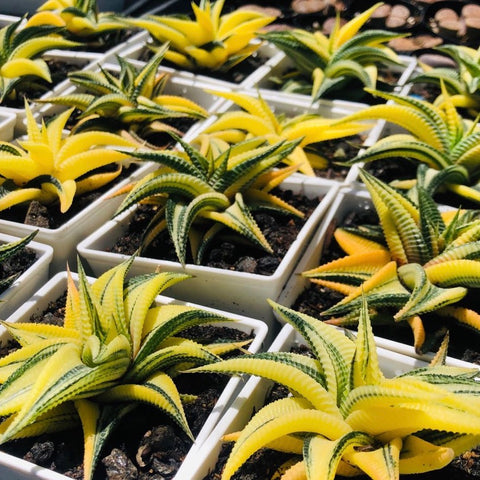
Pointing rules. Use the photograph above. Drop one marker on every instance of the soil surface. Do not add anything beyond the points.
(338, 150)
(147, 445)
(227, 251)
(14, 266)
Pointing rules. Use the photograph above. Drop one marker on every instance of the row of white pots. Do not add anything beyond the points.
(242, 295)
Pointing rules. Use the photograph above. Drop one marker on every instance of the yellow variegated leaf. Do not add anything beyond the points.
(276, 420)
(30, 333)
(322, 456)
(139, 299)
(381, 463)
(45, 18)
(19, 67)
(159, 390)
(354, 244)
(418, 456)
(351, 28)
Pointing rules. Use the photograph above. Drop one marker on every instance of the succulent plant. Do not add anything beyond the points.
(325, 64)
(130, 100)
(210, 41)
(198, 195)
(116, 349)
(438, 137)
(461, 82)
(421, 261)
(20, 65)
(80, 19)
(345, 417)
(256, 118)
(49, 166)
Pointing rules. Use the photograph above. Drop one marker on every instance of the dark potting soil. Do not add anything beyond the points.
(464, 342)
(49, 216)
(146, 445)
(393, 168)
(17, 264)
(338, 150)
(228, 251)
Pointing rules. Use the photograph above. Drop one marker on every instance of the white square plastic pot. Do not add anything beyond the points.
(347, 201)
(65, 238)
(29, 281)
(252, 397)
(13, 468)
(7, 124)
(239, 292)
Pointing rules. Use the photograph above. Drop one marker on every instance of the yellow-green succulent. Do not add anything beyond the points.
(21, 67)
(117, 349)
(461, 81)
(50, 166)
(211, 40)
(131, 100)
(80, 19)
(325, 64)
(197, 194)
(420, 261)
(437, 136)
(256, 119)
(344, 417)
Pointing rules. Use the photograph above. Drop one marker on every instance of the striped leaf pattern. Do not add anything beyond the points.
(323, 62)
(205, 191)
(438, 137)
(117, 349)
(358, 421)
(430, 265)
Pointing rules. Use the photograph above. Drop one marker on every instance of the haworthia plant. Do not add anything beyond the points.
(208, 41)
(49, 166)
(198, 195)
(131, 99)
(422, 261)
(437, 137)
(344, 417)
(20, 62)
(80, 19)
(116, 349)
(325, 64)
(461, 80)
(256, 118)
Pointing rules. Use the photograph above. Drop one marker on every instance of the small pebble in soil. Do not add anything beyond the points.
(41, 453)
(119, 467)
